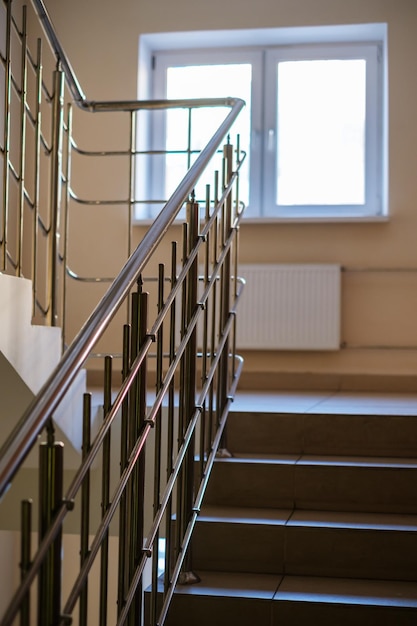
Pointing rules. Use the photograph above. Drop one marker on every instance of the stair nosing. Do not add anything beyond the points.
(330, 519)
(319, 460)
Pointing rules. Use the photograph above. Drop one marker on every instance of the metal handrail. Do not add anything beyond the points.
(206, 305)
(34, 419)
(26, 430)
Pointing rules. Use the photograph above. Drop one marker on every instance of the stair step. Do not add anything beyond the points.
(330, 601)
(320, 433)
(237, 598)
(368, 484)
(313, 543)
(224, 599)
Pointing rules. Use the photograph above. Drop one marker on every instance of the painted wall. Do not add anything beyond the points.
(378, 309)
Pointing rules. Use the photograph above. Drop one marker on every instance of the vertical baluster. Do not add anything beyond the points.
(235, 259)
(50, 497)
(140, 421)
(189, 134)
(137, 417)
(105, 493)
(36, 175)
(132, 427)
(123, 516)
(187, 575)
(55, 202)
(237, 184)
(171, 417)
(67, 179)
(132, 159)
(158, 439)
(225, 294)
(215, 245)
(179, 527)
(23, 97)
(204, 441)
(85, 504)
(6, 135)
(25, 557)
(206, 282)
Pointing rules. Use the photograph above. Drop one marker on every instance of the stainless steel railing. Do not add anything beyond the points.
(40, 194)
(145, 463)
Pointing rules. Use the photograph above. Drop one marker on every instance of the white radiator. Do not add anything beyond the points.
(289, 307)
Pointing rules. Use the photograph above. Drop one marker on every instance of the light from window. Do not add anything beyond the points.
(321, 132)
(314, 125)
(204, 81)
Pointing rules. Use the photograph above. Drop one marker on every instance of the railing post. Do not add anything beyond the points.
(6, 138)
(55, 206)
(85, 505)
(22, 156)
(25, 556)
(51, 456)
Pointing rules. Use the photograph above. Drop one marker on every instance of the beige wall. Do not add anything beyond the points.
(101, 38)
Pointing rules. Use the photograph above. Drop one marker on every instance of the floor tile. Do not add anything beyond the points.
(233, 584)
(244, 515)
(350, 519)
(351, 590)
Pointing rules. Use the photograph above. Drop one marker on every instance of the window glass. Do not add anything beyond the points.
(204, 81)
(321, 132)
(314, 125)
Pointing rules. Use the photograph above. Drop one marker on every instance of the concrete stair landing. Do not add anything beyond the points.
(313, 520)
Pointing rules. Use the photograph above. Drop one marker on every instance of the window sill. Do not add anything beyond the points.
(328, 219)
(355, 219)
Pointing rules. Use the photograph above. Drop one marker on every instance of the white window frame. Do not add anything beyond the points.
(269, 47)
(165, 59)
(373, 129)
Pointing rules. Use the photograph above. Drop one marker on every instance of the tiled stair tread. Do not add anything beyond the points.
(350, 403)
(363, 521)
(368, 461)
(303, 589)
(320, 519)
(348, 591)
(244, 515)
(310, 459)
(247, 457)
(379, 412)
(233, 584)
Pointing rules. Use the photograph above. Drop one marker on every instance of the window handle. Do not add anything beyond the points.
(270, 140)
(256, 139)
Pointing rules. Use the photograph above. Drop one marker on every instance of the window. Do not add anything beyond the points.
(313, 125)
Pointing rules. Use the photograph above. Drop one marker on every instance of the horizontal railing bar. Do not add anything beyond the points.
(97, 202)
(104, 153)
(87, 279)
(207, 226)
(152, 105)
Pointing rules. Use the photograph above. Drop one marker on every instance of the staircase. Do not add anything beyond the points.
(313, 520)
(28, 355)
